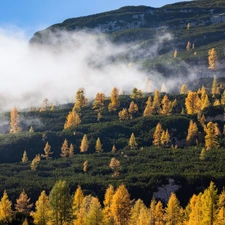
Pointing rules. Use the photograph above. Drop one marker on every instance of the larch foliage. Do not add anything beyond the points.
(5, 209)
(209, 200)
(77, 201)
(114, 148)
(212, 59)
(114, 97)
(47, 150)
(107, 210)
(156, 102)
(72, 119)
(184, 90)
(166, 106)
(71, 151)
(80, 100)
(175, 54)
(123, 114)
(202, 154)
(42, 214)
(165, 138)
(84, 144)
(85, 166)
(193, 103)
(14, 121)
(65, 149)
(25, 222)
(163, 88)
(152, 216)
(94, 215)
(157, 135)
(52, 107)
(115, 167)
(159, 211)
(139, 214)
(34, 163)
(173, 215)
(192, 133)
(44, 105)
(23, 203)
(149, 110)
(98, 145)
(121, 206)
(133, 108)
(132, 142)
(25, 157)
(220, 217)
(31, 130)
(216, 102)
(223, 98)
(188, 26)
(188, 46)
(205, 103)
(210, 137)
(98, 104)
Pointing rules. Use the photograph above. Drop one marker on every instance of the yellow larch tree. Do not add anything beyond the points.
(152, 216)
(165, 138)
(157, 135)
(77, 201)
(14, 121)
(114, 97)
(220, 217)
(212, 59)
(114, 148)
(214, 89)
(205, 103)
(223, 98)
(192, 133)
(123, 114)
(25, 157)
(25, 222)
(149, 110)
(173, 215)
(72, 119)
(133, 108)
(80, 100)
(44, 105)
(98, 104)
(47, 150)
(84, 144)
(139, 214)
(121, 206)
(188, 46)
(35, 162)
(5, 209)
(156, 102)
(202, 154)
(184, 90)
(159, 213)
(71, 151)
(107, 211)
(85, 166)
(210, 137)
(136, 93)
(65, 149)
(52, 107)
(98, 145)
(166, 106)
(193, 103)
(23, 203)
(42, 214)
(216, 102)
(132, 142)
(115, 166)
(175, 54)
(188, 26)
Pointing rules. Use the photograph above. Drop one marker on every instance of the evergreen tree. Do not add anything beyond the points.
(5, 209)
(133, 108)
(23, 203)
(132, 142)
(84, 144)
(14, 121)
(42, 214)
(61, 203)
(98, 145)
(25, 158)
(85, 166)
(166, 106)
(35, 162)
(156, 102)
(77, 201)
(202, 154)
(121, 206)
(214, 89)
(136, 93)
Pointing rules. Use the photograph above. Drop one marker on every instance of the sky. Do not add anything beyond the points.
(33, 15)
